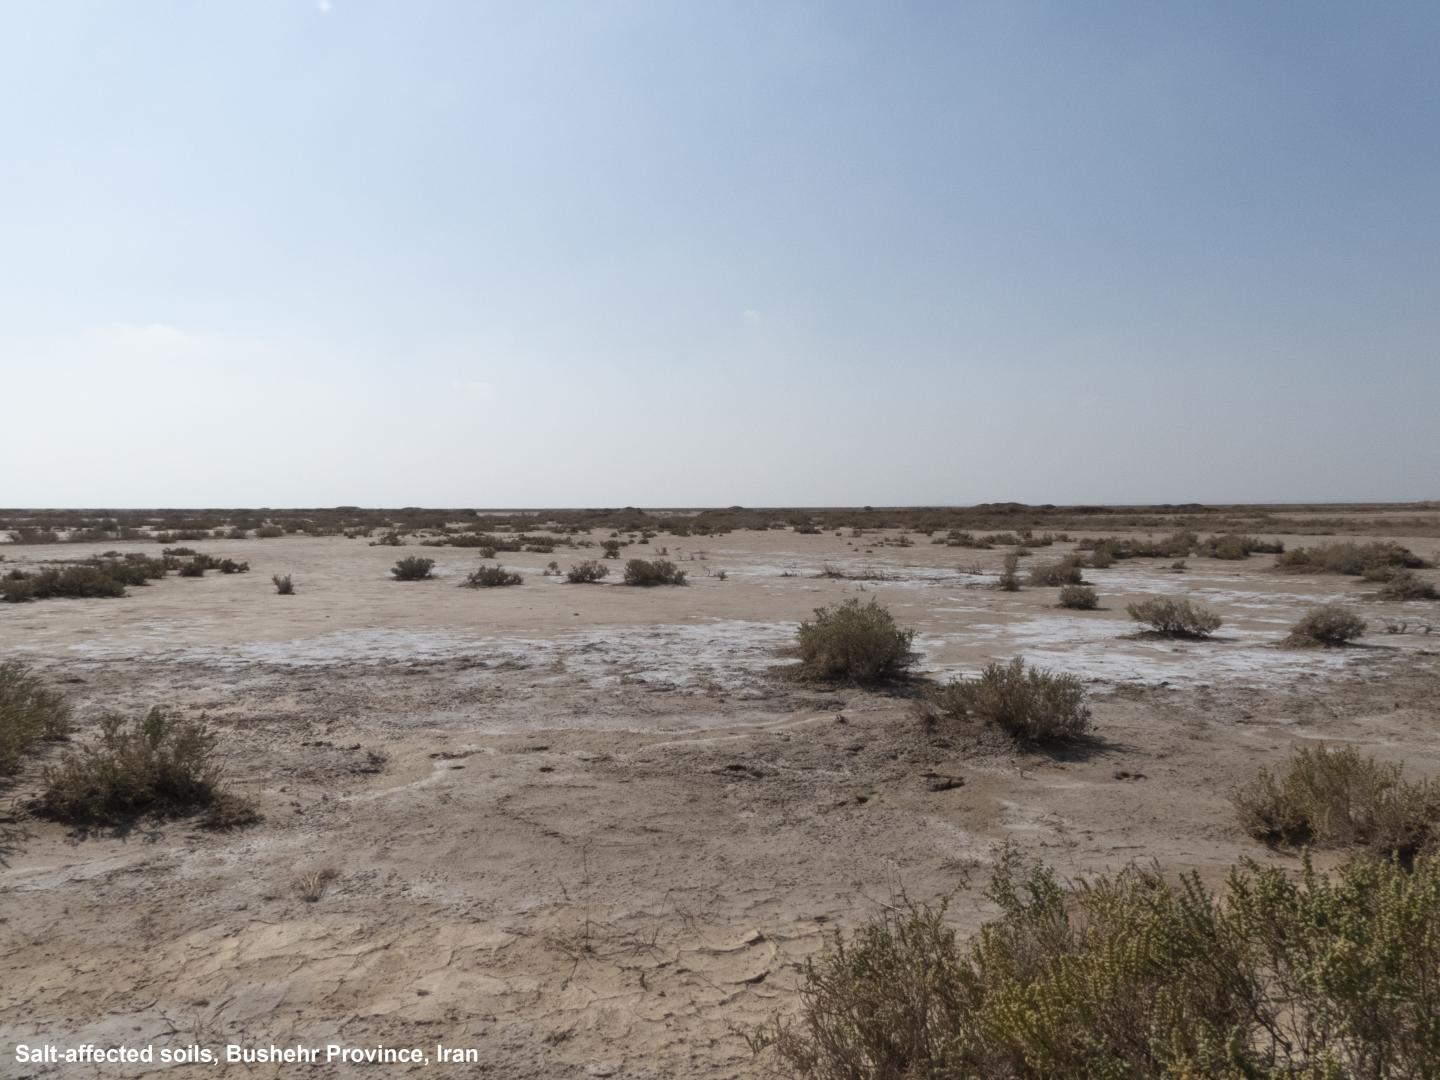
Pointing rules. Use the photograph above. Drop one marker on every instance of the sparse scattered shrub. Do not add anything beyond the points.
(1102, 557)
(587, 572)
(857, 642)
(159, 766)
(1066, 571)
(1175, 618)
(1010, 575)
(1406, 585)
(29, 714)
(658, 572)
(1131, 975)
(1029, 703)
(283, 585)
(194, 568)
(611, 548)
(1337, 798)
(1079, 597)
(413, 568)
(1327, 624)
(490, 577)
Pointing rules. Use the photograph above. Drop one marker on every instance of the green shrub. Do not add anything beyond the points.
(1134, 976)
(860, 643)
(29, 714)
(587, 572)
(1029, 703)
(658, 572)
(283, 585)
(1066, 571)
(412, 568)
(157, 766)
(490, 577)
(1337, 798)
(1406, 585)
(1079, 597)
(1327, 624)
(1175, 618)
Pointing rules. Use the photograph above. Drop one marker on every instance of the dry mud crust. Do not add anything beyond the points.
(602, 843)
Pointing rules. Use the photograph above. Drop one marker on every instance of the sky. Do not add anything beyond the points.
(322, 252)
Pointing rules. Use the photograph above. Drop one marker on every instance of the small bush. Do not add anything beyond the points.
(587, 572)
(1029, 703)
(29, 714)
(1103, 557)
(283, 585)
(1010, 576)
(413, 568)
(855, 642)
(1327, 624)
(658, 572)
(1132, 975)
(156, 766)
(490, 577)
(1406, 585)
(611, 548)
(1079, 597)
(1066, 571)
(1175, 618)
(1337, 798)
(268, 532)
(194, 568)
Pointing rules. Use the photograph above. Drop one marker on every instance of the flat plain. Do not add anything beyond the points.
(597, 830)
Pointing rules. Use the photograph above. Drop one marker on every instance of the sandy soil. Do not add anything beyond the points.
(593, 830)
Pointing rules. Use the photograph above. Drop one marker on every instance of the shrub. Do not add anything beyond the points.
(1103, 557)
(1079, 597)
(490, 577)
(268, 532)
(855, 642)
(1175, 618)
(611, 548)
(1064, 571)
(156, 766)
(1134, 976)
(587, 572)
(1009, 576)
(283, 585)
(1327, 624)
(76, 581)
(1406, 585)
(1029, 703)
(1349, 558)
(194, 568)
(29, 714)
(658, 572)
(412, 568)
(1337, 798)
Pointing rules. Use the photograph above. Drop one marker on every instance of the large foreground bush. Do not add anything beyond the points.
(1132, 976)
(1175, 618)
(490, 577)
(1327, 624)
(857, 642)
(29, 714)
(157, 766)
(587, 572)
(413, 568)
(658, 572)
(1339, 798)
(1030, 703)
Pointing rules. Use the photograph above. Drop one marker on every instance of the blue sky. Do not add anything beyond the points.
(299, 253)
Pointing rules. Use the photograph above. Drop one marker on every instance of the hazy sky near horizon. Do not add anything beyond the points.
(289, 252)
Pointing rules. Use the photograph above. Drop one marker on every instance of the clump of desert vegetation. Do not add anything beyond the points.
(1354, 559)
(97, 577)
(1079, 597)
(653, 572)
(30, 714)
(1066, 571)
(283, 585)
(1028, 703)
(413, 568)
(1175, 618)
(158, 765)
(587, 572)
(1010, 573)
(1341, 798)
(1406, 585)
(855, 642)
(490, 577)
(1327, 624)
(1134, 975)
